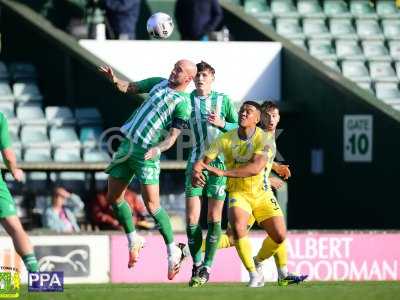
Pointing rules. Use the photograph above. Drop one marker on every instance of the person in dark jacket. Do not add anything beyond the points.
(197, 18)
(123, 16)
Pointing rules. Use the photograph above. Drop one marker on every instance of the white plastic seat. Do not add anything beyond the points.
(382, 71)
(342, 29)
(310, 9)
(316, 29)
(349, 49)
(332, 64)
(64, 137)
(391, 29)
(388, 92)
(284, 8)
(27, 92)
(95, 155)
(375, 50)
(394, 49)
(369, 29)
(59, 116)
(31, 115)
(387, 9)
(34, 137)
(355, 70)
(289, 28)
(321, 49)
(336, 9)
(363, 9)
(22, 71)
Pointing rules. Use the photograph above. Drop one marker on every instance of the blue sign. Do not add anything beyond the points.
(46, 282)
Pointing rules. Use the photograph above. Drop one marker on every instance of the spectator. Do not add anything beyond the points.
(123, 16)
(103, 215)
(196, 19)
(61, 215)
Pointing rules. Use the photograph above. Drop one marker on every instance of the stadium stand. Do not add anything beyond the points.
(361, 37)
(47, 134)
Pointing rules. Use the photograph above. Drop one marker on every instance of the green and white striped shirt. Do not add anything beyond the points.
(202, 132)
(148, 124)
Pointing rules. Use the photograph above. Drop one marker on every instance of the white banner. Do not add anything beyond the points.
(244, 70)
(82, 258)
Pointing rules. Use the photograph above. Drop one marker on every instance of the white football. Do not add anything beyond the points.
(160, 25)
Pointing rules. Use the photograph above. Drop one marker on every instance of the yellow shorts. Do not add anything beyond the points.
(262, 205)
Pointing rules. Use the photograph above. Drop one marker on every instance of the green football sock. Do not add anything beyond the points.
(195, 238)
(30, 262)
(212, 240)
(123, 213)
(164, 225)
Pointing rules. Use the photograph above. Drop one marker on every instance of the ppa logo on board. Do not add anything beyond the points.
(46, 282)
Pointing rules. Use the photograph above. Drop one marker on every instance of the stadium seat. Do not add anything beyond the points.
(375, 50)
(382, 71)
(64, 137)
(299, 42)
(22, 71)
(59, 116)
(387, 91)
(4, 72)
(342, 29)
(284, 8)
(355, 70)
(6, 94)
(67, 155)
(310, 9)
(321, 49)
(265, 20)
(90, 136)
(95, 155)
(31, 115)
(391, 29)
(257, 8)
(316, 29)
(88, 116)
(34, 137)
(394, 49)
(349, 49)
(27, 93)
(289, 28)
(369, 29)
(37, 155)
(336, 8)
(363, 9)
(365, 85)
(387, 9)
(333, 64)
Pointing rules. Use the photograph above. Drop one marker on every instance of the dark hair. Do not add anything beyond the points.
(268, 105)
(203, 66)
(252, 103)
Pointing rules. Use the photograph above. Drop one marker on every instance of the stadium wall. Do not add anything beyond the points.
(331, 188)
(324, 256)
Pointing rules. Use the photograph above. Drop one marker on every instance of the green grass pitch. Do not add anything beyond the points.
(226, 291)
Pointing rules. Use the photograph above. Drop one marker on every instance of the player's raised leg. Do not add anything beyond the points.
(176, 253)
(123, 212)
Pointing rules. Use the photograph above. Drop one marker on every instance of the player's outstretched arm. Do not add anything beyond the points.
(164, 145)
(122, 85)
(11, 163)
(276, 182)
